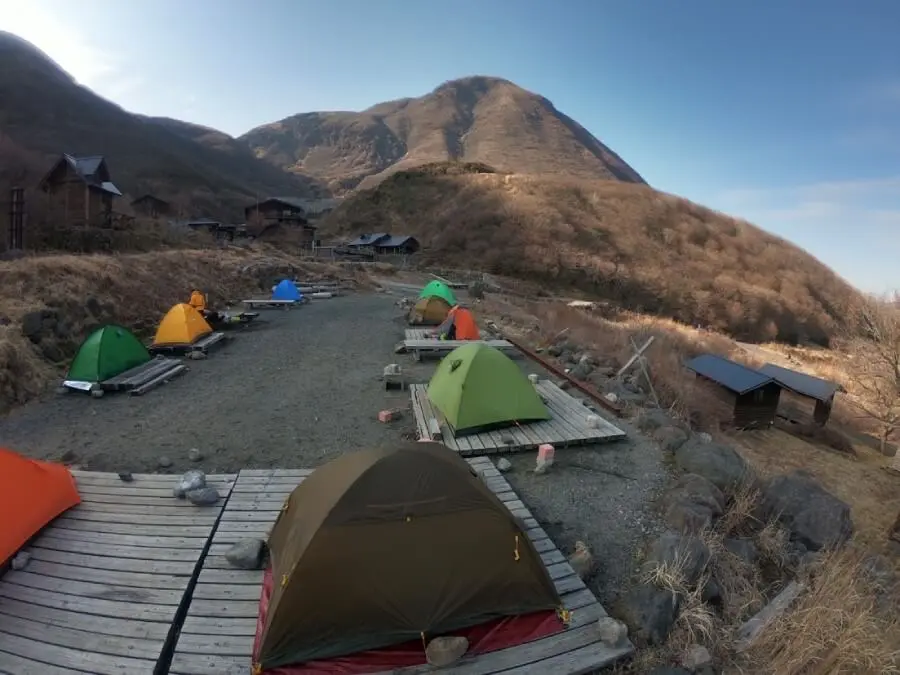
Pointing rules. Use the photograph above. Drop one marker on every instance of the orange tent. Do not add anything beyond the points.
(181, 326)
(32, 493)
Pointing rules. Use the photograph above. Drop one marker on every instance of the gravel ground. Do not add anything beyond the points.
(304, 387)
(293, 392)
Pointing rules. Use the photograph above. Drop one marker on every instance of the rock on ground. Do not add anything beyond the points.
(649, 612)
(191, 480)
(612, 633)
(206, 496)
(442, 651)
(815, 517)
(686, 552)
(247, 554)
(670, 438)
(720, 464)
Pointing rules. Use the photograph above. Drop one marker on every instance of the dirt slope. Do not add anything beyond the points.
(474, 119)
(645, 250)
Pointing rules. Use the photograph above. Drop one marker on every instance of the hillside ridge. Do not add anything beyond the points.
(472, 119)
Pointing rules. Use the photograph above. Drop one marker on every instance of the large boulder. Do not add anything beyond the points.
(670, 438)
(680, 551)
(719, 464)
(649, 612)
(697, 489)
(813, 516)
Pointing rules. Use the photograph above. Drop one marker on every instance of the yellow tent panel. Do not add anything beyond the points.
(182, 325)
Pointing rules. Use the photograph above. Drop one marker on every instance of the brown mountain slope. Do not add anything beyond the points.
(646, 250)
(45, 112)
(475, 119)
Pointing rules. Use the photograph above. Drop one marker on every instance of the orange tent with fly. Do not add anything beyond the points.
(181, 326)
(32, 493)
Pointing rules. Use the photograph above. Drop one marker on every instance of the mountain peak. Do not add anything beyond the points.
(477, 118)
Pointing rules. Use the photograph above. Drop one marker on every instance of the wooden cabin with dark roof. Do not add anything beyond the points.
(152, 206)
(81, 190)
(749, 398)
(288, 212)
(805, 399)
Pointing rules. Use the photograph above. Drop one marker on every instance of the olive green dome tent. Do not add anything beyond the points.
(440, 289)
(477, 387)
(107, 352)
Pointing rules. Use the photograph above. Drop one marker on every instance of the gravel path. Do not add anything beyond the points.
(297, 390)
(305, 387)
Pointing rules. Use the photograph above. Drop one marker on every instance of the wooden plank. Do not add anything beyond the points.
(217, 635)
(105, 580)
(567, 426)
(162, 378)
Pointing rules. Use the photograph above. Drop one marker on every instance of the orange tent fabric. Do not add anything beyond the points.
(181, 326)
(32, 493)
(198, 301)
(466, 328)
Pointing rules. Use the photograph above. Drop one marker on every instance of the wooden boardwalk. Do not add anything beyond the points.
(217, 635)
(567, 426)
(105, 580)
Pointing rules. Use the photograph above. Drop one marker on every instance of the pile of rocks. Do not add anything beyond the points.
(710, 475)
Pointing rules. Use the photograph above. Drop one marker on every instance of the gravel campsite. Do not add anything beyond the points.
(304, 386)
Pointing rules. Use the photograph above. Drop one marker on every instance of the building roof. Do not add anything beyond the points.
(369, 239)
(395, 242)
(88, 168)
(729, 374)
(306, 205)
(801, 383)
(149, 197)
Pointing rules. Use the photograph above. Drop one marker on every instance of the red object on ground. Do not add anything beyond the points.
(488, 637)
(32, 493)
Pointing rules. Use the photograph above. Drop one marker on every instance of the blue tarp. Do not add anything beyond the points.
(286, 290)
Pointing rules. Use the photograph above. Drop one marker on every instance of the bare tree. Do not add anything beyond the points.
(874, 347)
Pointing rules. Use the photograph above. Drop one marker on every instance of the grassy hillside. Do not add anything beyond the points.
(645, 250)
(474, 119)
(44, 112)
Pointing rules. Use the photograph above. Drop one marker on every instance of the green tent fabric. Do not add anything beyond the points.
(107, 352)
(440, 289)
(477, 387)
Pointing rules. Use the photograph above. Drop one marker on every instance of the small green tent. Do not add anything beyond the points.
(107, 352)
(477, 387)
(440, 289)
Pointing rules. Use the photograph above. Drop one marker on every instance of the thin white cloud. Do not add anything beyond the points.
(89, 63)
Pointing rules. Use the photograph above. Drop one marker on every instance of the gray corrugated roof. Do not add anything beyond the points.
(109, 187)
(296, 202)
(801, 383)
(368, 239)
(731, 375)
(85, 166)
(394, 241)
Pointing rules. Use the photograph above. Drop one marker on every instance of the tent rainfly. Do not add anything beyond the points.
(286, 290)
(32, 493)
(429, 311)
(105, 353)
(477, 387)
(440, 289)
(441, 553)
(181, 326)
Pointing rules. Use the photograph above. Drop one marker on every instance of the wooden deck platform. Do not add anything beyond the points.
(417, 344)
(271, 304)
(137, 381)
(217, 635)
(105, 580)
(204, 344)
(568, 426)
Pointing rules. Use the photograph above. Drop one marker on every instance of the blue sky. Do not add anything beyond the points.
(783, 113)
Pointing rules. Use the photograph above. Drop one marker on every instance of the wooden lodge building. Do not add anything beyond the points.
(81, 190)
(287, 212)
(749, 399)
(385, 243)
(804, 399)
(151, 206)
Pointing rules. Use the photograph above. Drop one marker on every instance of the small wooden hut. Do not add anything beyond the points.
(804, 399)
(750, 396)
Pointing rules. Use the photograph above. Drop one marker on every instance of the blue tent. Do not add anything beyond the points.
(286, 290)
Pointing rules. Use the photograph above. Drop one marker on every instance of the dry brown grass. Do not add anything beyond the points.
(834, 627)
(135, 291)
(643, 250)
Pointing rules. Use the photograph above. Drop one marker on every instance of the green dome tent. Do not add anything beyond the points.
(477, 387)
(440, 289)
(107, 352)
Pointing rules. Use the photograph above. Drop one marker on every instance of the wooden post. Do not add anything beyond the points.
(16, 237)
